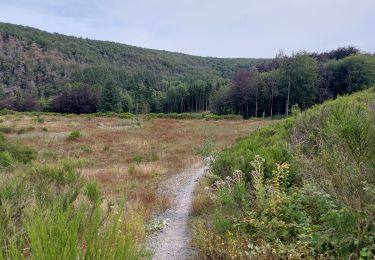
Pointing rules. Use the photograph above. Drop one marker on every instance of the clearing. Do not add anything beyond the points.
(135, 159)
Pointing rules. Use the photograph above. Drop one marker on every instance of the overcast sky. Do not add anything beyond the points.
(231, 28)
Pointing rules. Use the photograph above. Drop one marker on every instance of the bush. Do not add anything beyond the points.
(75, 135)
(137, 158)
(6, 129)
(6, 159)
(39, 119)
(270, 143)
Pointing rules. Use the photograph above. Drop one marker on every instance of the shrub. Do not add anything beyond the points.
(6, 129)
(39, 119)
(23, 130)
(75, 135)
(93, 193)
(18, 152)
(6, 159)
(137, 158)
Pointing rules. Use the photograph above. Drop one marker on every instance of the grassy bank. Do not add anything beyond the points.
(303, 187)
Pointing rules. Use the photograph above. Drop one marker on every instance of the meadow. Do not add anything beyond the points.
(93, 180)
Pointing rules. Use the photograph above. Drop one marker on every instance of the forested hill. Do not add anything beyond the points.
(36, 60)
(54, 72)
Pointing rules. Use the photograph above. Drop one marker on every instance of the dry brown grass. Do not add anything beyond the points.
(128, 160)
(201, 200)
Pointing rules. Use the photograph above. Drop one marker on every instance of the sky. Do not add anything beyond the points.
(218, 28)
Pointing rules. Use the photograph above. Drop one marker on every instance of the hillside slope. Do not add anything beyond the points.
(40, 61)
(302, 188)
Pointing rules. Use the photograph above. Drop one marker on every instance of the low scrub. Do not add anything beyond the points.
(75, 135)
(51, 212)
(301, 188)
(206, 116)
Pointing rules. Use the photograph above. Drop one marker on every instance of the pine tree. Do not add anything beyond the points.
(111, 98)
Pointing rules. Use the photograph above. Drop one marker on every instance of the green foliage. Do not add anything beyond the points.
(206, 116)
(111, 98)
(328, 213)
(145, 80)
(207, 149)
(18, 152)
(270, 143)
(137, 158)
(23, 130)
(93, 192)
(75, 135)
(44, 214)
(353, 73)
(6, 129)
(39, 119)
(6, 160)
(139, 73)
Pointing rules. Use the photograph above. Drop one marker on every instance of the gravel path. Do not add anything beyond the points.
(174, 241)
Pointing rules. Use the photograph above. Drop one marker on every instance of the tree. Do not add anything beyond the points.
(77, 99)
(245, 91)
(350, 74)
(111, 98)
(254, 85)
(158, 99)
(127, 102)
(299, 78)
(270, 82)
(220, 100)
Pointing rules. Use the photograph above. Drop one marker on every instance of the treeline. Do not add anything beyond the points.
(42, 65)
(267, 89)
(303, 79)
(52, 72)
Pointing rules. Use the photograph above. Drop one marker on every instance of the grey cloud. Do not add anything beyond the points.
(236, 28)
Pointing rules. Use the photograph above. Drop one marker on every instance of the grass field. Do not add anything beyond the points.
(128, 157)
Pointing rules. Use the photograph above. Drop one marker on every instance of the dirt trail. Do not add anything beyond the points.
(174, 241)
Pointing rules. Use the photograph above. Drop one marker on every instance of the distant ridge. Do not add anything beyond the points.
(32, 58)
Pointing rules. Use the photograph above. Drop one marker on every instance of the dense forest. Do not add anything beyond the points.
(53, 72)
(38, 66)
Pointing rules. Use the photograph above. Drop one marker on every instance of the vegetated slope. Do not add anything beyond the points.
(305, 187)
(31, 58)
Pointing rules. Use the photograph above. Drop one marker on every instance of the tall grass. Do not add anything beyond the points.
(51, 212)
